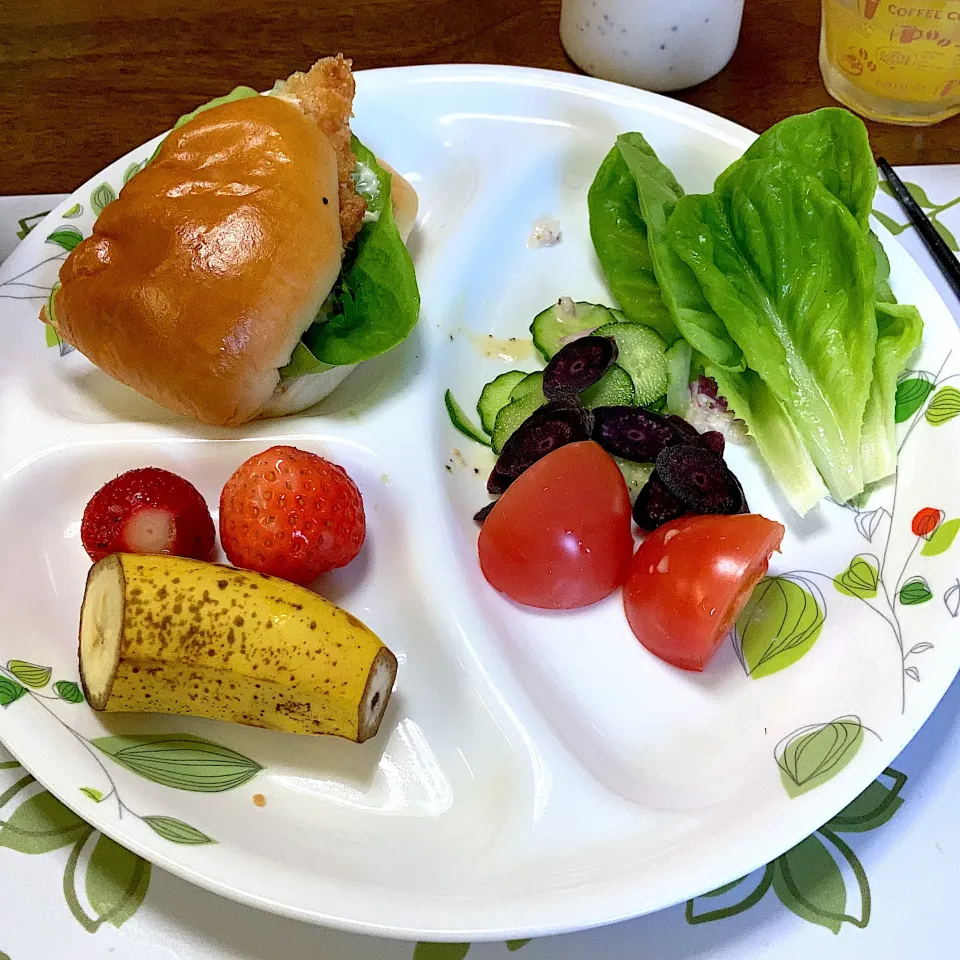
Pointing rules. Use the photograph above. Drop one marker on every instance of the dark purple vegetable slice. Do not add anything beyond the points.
(553, 425)
(714, 440)
(498, 482)
(484, 512)
(577, 366)
(632, 432)
(686, 430)
(656, 505)
(699, 479)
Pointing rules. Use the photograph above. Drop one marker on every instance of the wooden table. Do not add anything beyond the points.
(83, 81)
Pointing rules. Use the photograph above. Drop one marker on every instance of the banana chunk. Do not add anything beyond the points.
(164, 634)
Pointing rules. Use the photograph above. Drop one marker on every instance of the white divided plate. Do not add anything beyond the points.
(535, 772)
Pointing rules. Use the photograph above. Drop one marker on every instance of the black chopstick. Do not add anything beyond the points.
(946, 261)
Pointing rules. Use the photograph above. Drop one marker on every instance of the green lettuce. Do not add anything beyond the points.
(791, 274)
(899, 329)
(658, 193)
(376, 302)
(775, 434)
(619, 237)
(830, 144)
(882, 288)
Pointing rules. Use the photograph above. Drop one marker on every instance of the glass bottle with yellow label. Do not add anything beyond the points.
(895, 62)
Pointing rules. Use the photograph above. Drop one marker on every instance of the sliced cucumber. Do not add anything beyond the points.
(459, 418)
(642, 352)
(613, 389)
(636, 475)
(679, 356)
(512, 415)
(496, 395)
(531, 383)
(564, 319)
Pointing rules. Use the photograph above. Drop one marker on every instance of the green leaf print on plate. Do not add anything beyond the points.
(69, 691)
(132, 170)
(93, 793)
(915, 591)
(10, 691)
(779, 624)
(101, 197)
(944, 406)
(910, 396)
(181, 761)
(170, 828)
(67, 237)
(30, 674)
(860, 579)
(810, 879)
(812, 755)
(941, 539)
(73, 212)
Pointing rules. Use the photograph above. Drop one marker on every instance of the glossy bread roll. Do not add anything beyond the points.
(199, 280)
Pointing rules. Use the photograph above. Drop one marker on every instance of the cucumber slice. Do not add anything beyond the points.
(512, 415)
(563, 319)
(679, 356)
(636, 475)
(496, 395)
(643, 354)
(461, 421)
(614, 389)
(531, 383)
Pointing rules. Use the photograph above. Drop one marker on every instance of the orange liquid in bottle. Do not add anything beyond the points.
(890, 61)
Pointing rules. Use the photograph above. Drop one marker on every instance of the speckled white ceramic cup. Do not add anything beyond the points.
(654, 44)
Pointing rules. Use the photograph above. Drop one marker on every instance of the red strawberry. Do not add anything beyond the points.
(148, 511)
(291, 514)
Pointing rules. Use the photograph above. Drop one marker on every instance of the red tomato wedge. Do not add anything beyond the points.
(560, 537)
(690, 579)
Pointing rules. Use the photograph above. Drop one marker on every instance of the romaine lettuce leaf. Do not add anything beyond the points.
(791, 274)
(899, 329)
(377, 301)
(775, 435)
(658, 193)
(620, 239)
(884, 292)
(831, 144)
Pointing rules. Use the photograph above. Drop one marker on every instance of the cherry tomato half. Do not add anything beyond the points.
(690, 579)
(560, 536)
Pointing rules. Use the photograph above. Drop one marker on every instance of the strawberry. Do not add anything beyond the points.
(291, 514)
(148, 511)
